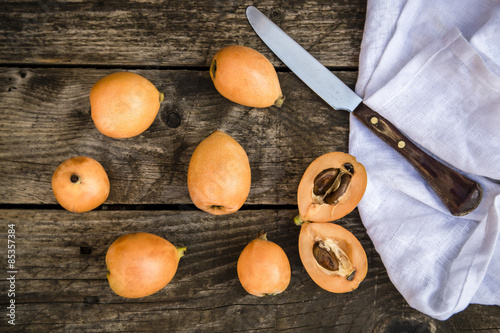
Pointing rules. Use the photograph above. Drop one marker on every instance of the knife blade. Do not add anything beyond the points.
(459, 194)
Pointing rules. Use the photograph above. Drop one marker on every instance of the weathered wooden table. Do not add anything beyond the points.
(52, 52)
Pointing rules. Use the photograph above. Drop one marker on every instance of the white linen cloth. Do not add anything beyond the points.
(432, 68)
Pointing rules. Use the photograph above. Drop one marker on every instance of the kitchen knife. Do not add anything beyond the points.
(459, 194)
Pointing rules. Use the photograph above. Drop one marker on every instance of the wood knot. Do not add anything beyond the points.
(85, 250)
(91, 300)
(276, 16)
(173, 119)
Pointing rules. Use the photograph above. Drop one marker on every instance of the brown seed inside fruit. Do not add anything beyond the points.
(324, 180)
(349, 167)
(325, 258)
(333, 197)
(330, 256)
(332, 183)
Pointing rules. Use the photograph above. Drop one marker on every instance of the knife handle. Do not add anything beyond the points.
(459, 194)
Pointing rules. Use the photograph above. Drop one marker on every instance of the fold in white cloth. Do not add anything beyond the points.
(432, 68)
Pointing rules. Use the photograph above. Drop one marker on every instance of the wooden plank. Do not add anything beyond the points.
(56, 238)
(154, 34)
(61, 279)
(45, 119)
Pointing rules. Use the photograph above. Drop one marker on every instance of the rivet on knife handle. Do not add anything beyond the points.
(460, 194)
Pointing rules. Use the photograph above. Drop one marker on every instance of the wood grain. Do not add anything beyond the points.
(169, 33)
(45, 119)
(61, 280)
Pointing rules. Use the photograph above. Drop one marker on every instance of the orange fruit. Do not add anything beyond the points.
(80, 184)
(219, 175)
(263, 267)
(124, 104)
(140, 264)
(245, 76)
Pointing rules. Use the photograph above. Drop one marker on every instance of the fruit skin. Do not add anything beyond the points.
(311, 232)
(263, 268)
(219, 175)
(310, 211)
(89, 188)
(140, 264)
(124, 104)
(245, 76)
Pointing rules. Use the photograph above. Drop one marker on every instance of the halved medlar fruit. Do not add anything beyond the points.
(332, 256)
(331, 187)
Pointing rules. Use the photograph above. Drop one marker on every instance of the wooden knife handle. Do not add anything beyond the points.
(460, 194)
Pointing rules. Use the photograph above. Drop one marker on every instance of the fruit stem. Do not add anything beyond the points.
(279, 101)
(262, 235)
(298, 220)
(181, 251)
